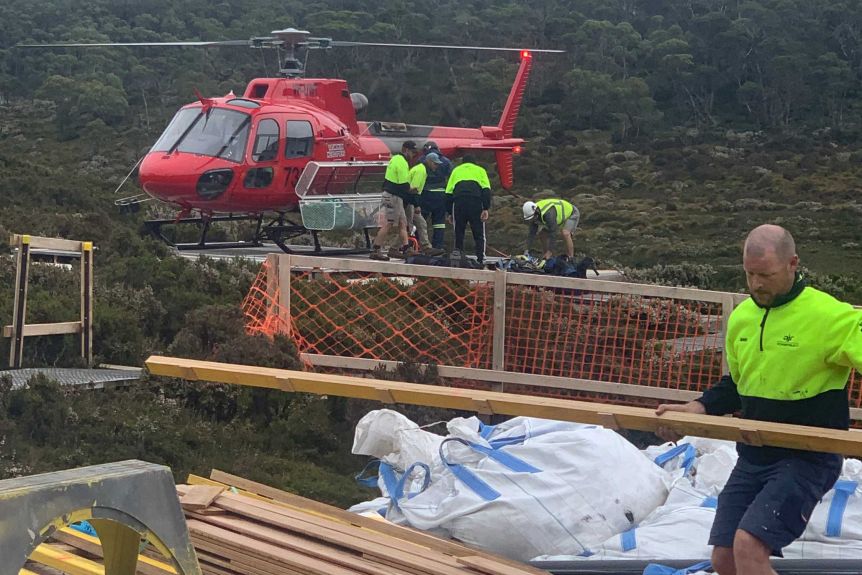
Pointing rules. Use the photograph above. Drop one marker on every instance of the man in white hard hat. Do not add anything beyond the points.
(551, 216)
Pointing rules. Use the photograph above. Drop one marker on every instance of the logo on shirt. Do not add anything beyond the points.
(787, 341)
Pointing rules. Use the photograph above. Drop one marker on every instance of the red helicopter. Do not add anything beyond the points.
(293, 143)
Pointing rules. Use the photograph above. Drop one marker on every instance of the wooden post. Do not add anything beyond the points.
(19, 313)
(87, 302)
(498, 357)
(284, 293)
(271, 283)
(727, 305)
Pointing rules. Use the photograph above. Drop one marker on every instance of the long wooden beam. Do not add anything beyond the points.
(39, 242)
(613, 416)
(32, 329)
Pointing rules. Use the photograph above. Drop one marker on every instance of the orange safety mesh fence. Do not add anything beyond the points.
(386, 317)
(661, 342)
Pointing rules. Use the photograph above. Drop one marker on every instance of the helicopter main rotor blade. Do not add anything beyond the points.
(110, 44)
(342, 43)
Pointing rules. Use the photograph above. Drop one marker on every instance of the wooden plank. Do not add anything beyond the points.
(87, 303)
(485, 566)
(92, 545)
(199, 497)
(19, 309)
(769, 433)
(284, 292)
(235, 560)
(332, 530)
(215, 555)
(33, 329)
(391, 268)
(271, 553)
(417, 541)
(512, 278)
(64, 561)
(592, 285)
(346, 537)
(511, 377)
(498, 353)
(43, 243)
(339, 555)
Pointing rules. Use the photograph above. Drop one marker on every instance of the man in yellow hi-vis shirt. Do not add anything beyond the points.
(396, 190)
(468, 199)
(790, 349)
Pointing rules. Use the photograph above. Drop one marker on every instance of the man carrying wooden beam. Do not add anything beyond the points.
(790, 349)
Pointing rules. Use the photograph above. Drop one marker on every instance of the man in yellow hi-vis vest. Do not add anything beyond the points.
(551, 216)
(790, 351)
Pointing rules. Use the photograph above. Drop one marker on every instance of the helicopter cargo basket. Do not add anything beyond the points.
(340, 195)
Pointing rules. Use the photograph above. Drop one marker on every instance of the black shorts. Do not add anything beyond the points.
(772, 502)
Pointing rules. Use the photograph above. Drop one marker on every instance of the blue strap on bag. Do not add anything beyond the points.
(655, 569)
(843, 491)
(685, 449)
(471, 480)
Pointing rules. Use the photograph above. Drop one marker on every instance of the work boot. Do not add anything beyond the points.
(395, 253)
(429, 251)
(379, 255)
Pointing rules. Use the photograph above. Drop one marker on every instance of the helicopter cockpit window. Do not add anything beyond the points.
(266, 141)
(300, 139)
(216, 132)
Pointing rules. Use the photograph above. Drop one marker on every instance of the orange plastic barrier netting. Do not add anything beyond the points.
(398, 318)
(617, 338)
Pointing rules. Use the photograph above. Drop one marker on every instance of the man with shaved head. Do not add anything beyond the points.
(790, 349)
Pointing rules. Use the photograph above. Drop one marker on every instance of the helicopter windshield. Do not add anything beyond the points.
(216, 132)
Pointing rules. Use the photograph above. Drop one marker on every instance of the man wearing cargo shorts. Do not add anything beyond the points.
(396, 190)
(552, 216)
(790, 349)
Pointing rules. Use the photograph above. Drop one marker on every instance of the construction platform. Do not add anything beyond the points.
(89, 378)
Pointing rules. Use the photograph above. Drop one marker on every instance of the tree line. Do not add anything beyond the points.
(631, 66)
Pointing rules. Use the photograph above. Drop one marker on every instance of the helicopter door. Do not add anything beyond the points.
(298, 150)
(264, 153)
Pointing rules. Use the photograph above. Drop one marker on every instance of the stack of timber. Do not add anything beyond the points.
(263, 531)
(75, 553)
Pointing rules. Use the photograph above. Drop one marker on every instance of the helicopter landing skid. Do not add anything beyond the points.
(278, 230)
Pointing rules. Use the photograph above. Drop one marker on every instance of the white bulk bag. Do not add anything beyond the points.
(835, 528)
(556, 492)
(679, 529)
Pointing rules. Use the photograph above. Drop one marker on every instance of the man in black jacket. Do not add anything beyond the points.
(468, 196)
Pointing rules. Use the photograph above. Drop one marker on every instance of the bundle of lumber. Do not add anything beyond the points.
(252, 529)
(76, 553)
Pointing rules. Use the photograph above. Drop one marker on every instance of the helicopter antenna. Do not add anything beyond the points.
(263, 60)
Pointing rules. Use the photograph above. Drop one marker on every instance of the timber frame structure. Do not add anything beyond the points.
(20, 329)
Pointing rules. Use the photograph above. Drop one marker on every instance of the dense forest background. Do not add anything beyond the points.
(674, 125)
